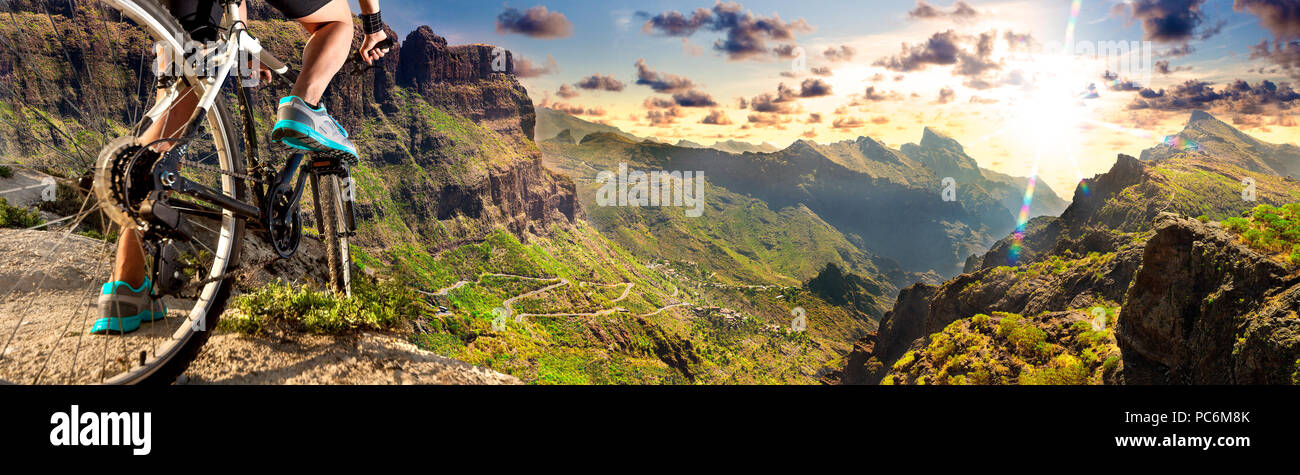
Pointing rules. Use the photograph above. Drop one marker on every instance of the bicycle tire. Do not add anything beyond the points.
(334, 227)
(171, 369)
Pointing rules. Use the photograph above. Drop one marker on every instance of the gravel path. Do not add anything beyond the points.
(369, 358)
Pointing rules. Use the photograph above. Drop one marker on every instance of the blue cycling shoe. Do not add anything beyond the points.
(312, 129)
(123, 308)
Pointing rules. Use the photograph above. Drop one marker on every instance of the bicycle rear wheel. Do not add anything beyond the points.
(51, 275)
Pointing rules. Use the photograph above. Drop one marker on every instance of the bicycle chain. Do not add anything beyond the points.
(219, 170)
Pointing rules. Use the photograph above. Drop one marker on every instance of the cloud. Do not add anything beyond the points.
(971, 54)
(658, 103)
(1163, 67)
(768, 120)
(567, 92)
(674, 23)
(536, 22)
(847, 123)
(599, 82)
(694, 98)
(880, 120)
(768, 103)
(716, 117)
(1114, 83)
(946, 95)
(960, 11)
(843, 53)
(573, 109)
(941, 49)
(746, 35)
(821, 71)
(1239, 97)
(1284, 55)
(528, 69)
(1170, 21)
(784, 101)
(661, 82)
(691, 49)
(1177, 51)
(665, 117)
(1281, 17)
(788, 51)
(814, 88)
(813, 118)
(874, 95)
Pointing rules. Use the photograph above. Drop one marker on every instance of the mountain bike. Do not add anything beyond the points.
(192, 205)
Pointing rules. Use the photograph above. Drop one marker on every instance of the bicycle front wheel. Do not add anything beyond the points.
(332, 220)
(51, 274)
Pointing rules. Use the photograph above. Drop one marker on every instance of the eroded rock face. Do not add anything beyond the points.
(860, 366)
(469, 194)
(1205, 309)
(907, 322)
(471, 81)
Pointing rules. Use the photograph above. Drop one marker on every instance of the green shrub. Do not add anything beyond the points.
(1064, 369)
(1271, 229)
(6, 172)
(371, 307)
(13, 217)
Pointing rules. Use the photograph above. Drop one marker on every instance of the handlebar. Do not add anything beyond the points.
(359, 65)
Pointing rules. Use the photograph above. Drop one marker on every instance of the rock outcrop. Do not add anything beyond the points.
(1205, 309)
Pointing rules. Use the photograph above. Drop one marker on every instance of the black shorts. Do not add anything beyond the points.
(200, 18)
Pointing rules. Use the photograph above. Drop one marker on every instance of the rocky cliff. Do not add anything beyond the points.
(1206, 309)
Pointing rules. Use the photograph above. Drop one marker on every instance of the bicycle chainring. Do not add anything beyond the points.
(284, 222)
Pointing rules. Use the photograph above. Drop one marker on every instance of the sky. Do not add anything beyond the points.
(1054, 88)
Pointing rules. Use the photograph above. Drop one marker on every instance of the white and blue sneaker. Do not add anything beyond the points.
(123, 308)
(311, 129)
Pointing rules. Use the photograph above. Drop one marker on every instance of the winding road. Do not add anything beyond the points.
(559, 282)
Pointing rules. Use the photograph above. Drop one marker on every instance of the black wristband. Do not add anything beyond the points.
(372, 23)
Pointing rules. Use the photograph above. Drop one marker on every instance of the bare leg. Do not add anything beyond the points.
(130, 259)
(331, 37)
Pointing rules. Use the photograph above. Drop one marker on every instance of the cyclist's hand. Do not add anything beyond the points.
(262, 74)
(369, 52)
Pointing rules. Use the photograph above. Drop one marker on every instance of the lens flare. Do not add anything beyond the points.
(1018, 238)
(1177, 142)
(1049, 131)
(1073, 24)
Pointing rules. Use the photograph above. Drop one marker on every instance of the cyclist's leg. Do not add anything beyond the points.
(302, 121)
(331, 30)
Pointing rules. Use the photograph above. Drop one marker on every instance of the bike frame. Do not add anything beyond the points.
(224, 57)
